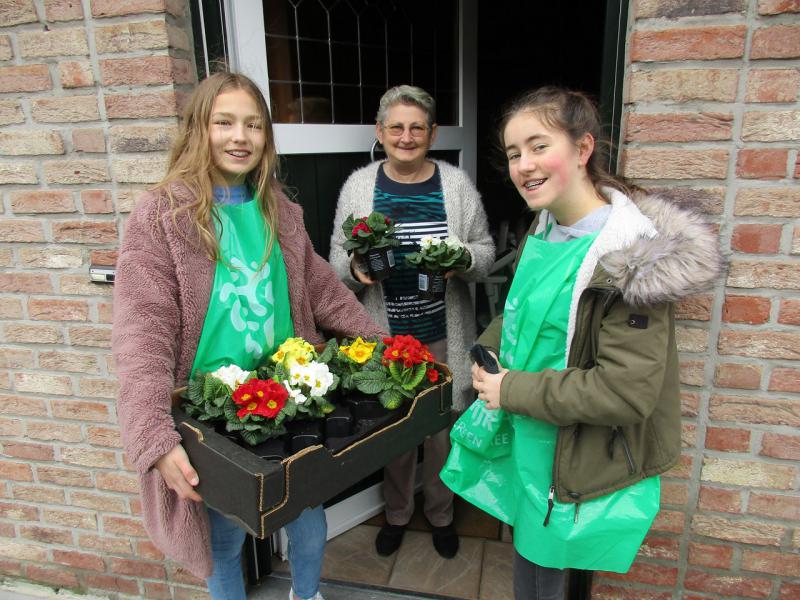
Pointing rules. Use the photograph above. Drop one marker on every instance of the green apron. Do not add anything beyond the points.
(248, 313)
(516, 485)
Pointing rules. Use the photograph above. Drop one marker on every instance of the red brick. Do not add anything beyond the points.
(106, 545)
(789, 591)
(28, 451)
(720, 499)
(50, 431)
(673, 9)
(692, 372)
(137, 568)
(739, 531)
(63, 10)
(89, 458)
(112, 8)
(777, 41)
(33, 334)
(75, 362)
(25, 78)
(146, 549)
(768, 202)
(600, 591)
(665, 548)
(688, 127)
(11, 568)
(650, 574)
(145, 70)
(727, 440)
(103, 257)
(58, 310)
(75, 285)
(123, 526)
(690, 404)
(65, 109)
(46, 535)
(118, 482)
(157, 591)
(710, 555)
(728, 585)
(97, 202)
(105, 312)
(674, 493)
(683, 469)
(75, 74)
(784, 379)
(659, 163)
(748, 473)
(79, 560)
(18, 405)
(734, 375)
(776, 7)
(15, 12)
(80, 410)
(789, 312)
(18, 512)
(99, 502)
(670, 521)
(10, 427)
(695, 308)
(52, 43)
(110, 583)
(65, 477)
(42, 201)
(55, 577)
(757, 238)
(778, 445)
(746, 309)
(756, 410)
(142, 105)
(777, 563)
(785, 508)
(762, 163)
(772, 85)
(760, 344)
(85, 232)
(696, 43)
(88, 140)
(21, 230)
(771, 125)
(99, 337)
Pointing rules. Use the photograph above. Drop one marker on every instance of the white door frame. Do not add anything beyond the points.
(244, 25)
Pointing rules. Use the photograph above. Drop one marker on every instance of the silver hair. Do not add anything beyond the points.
(407, 94)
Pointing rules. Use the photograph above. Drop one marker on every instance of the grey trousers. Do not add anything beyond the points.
(533, 582)
(399, 475)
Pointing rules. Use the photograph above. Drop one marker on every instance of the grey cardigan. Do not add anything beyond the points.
(466, 219)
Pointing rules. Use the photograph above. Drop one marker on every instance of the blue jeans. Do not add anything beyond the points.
(306, 546)
(533, 582)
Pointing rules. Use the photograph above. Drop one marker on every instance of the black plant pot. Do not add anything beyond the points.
(380, 262)
(272, 450)
(339, 423)
(219, 427)
(302, 434)
(431, 284)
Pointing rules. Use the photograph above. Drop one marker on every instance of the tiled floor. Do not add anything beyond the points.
(480, 571)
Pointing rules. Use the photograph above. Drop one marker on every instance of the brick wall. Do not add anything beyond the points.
(89, 93)
(712, 116)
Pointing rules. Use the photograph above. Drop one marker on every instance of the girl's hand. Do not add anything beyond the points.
(358, 273)
(178, 473)
(488, 385)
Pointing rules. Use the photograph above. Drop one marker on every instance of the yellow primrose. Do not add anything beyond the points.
(359, 351)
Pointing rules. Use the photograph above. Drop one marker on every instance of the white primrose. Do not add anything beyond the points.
(295, 393)
(429, 240)
(231, 375)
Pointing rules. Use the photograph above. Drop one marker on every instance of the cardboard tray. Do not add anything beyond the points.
(262, 496)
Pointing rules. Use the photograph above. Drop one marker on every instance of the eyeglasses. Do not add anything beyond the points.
(397, 130)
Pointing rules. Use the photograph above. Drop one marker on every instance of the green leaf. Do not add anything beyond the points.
(369, 382)
(396, 370)
(417, 375)
(390, 399)
(331, 350)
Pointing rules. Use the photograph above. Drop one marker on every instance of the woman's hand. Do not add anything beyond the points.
(178, 473)
(488, 384)
(358, 273)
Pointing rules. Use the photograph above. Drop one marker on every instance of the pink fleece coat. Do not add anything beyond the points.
(161, 294)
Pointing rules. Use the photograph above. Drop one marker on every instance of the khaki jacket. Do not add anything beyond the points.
(617, 402)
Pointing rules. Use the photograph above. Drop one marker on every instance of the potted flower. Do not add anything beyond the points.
(403, 368)
(372, 239)
(434, 259)
(254, 409)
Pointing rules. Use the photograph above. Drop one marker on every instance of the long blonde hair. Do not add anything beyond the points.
(190, 161)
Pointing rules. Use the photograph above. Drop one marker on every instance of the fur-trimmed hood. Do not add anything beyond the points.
(682, 258)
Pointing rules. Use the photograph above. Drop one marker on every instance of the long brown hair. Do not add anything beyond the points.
(190, 161)
(575, 114)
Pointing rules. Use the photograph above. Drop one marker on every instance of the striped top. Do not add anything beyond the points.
(418, 209)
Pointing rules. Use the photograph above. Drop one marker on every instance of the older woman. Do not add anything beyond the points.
(427, 197)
